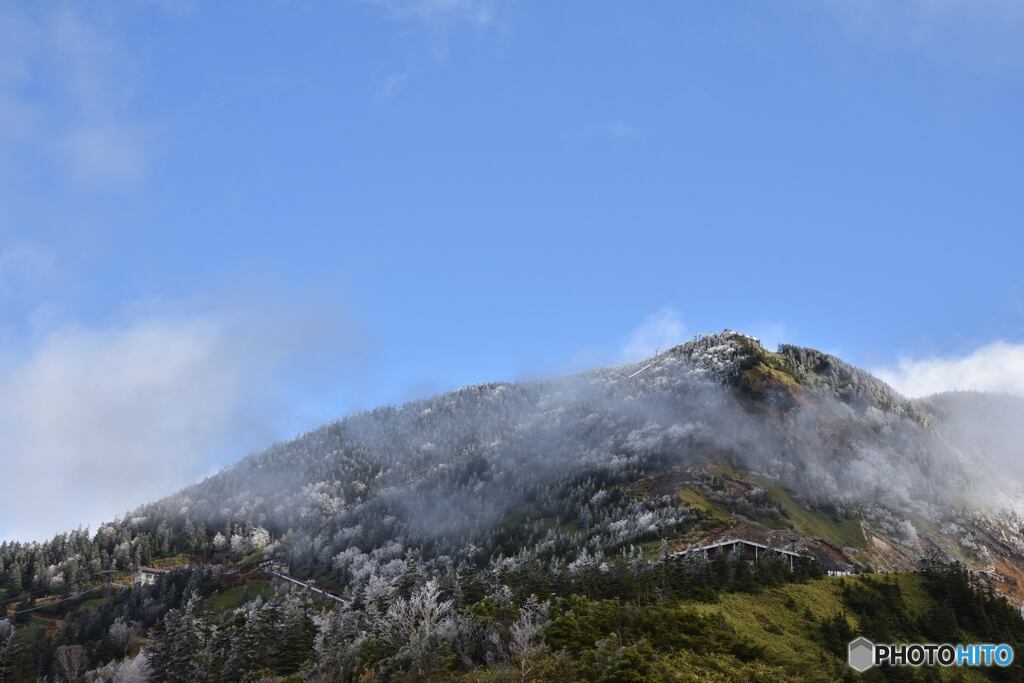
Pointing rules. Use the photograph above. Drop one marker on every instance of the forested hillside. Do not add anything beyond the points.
(532, 530)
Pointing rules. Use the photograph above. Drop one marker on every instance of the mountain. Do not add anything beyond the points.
(770, 440)
(546, 487)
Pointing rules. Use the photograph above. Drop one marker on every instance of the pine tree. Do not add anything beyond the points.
(40, 578)
(297, 638)
(179, 653)
(14, 578)
(9, 650)
(219, 653)
(265, 626)
(243, 649)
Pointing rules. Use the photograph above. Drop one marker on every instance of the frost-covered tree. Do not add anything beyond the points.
(7, 648)
(124, 634)
(259, 538)
(525, 634)
(71, 662)
(220, 543)
(178, 654)
(129, 670)
(239, 545)
(415, 626)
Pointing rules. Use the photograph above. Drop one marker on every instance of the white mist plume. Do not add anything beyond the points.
(998, 366)
(660, 330)
(95, 420)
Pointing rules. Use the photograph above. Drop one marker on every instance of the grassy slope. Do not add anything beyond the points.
(713, 510)
(840, 531)
(780, 621)
(785, 622)
(843, 532)
(236, 597)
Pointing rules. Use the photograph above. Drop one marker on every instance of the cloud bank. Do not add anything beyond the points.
(95, 420)
(998, 366)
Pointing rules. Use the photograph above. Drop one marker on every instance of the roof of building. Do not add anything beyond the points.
(733, 541)
(153, 570)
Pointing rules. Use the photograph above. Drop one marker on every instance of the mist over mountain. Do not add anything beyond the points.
(444, 478)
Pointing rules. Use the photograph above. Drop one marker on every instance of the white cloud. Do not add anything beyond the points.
(995, 367)
(64, 91)
(660, 330)
(101, 145)
(96, 420)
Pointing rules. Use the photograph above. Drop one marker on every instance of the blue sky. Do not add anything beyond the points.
(218, 228)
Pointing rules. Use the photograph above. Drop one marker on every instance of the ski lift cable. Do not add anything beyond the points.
(43, 591)
(654, 361)
(309, 587)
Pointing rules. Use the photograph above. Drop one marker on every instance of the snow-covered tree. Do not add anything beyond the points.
(525, 639)
(7, 648)
(416, 625)
(123, 634)
(70, 661)
(259, 538)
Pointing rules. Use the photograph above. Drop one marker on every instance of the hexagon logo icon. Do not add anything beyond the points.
(861, 654)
